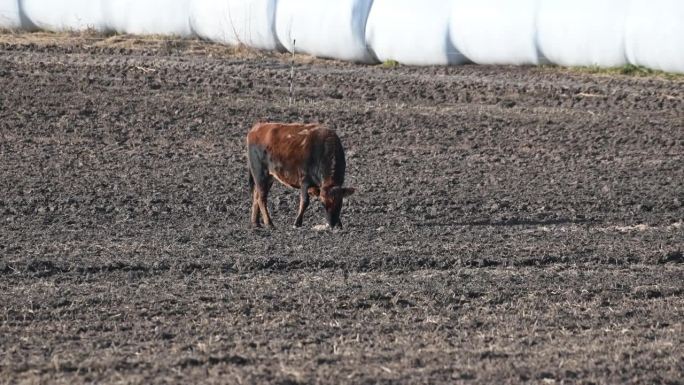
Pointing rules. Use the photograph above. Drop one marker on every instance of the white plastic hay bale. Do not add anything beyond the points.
(9, 15)
(325, 28)
(148, 17)
(654, 34)
(412, 32)
(582, 32)
(65, 15)
(496, 31)
(236, 22)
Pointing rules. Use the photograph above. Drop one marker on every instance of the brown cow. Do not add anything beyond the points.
(308, 157)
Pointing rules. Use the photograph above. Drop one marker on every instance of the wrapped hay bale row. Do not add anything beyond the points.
(605, 33)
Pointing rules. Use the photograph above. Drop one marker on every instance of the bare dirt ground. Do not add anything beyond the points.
(510, 224)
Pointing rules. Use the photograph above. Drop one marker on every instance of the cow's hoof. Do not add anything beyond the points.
(322, 227)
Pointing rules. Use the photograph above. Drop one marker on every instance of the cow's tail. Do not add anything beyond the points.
(251, 183)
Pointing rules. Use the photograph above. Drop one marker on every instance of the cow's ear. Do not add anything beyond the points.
(347, 191)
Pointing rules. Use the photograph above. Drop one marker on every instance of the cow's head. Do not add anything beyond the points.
(331, 197)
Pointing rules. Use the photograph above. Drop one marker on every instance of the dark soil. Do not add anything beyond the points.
(511, 224)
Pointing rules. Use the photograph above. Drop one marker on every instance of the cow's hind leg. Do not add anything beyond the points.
(262, 200)
(262, 182)
(255, 219)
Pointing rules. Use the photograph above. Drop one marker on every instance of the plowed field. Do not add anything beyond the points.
(510, 224)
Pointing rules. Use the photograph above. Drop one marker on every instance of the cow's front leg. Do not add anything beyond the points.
(303, 204)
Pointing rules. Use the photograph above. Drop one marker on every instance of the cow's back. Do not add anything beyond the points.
(292, 151)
